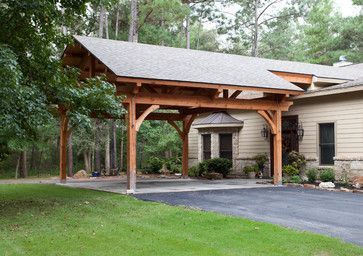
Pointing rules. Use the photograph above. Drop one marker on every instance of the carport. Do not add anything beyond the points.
(175, 85)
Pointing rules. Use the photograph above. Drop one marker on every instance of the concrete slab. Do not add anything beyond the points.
(167, 185)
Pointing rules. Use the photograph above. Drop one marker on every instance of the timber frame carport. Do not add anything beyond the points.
(183, 99)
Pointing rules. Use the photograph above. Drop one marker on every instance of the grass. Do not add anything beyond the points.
(55, 220)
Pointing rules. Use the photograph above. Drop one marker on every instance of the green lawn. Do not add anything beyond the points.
(54, 220)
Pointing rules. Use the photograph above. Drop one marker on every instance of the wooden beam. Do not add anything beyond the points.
(216, 93)
(268, 119)
(187, 122)
(131, 146)
(235, 94)
(277, 141)
(295, 77)
(63, 144)
(205, 85)
(165, 116)
(136, 88)
(172, 123)
(205, 102)
(225, 93)
(144, 115)
(151, 89)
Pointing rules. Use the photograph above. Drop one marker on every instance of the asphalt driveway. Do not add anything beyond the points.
(336, 214)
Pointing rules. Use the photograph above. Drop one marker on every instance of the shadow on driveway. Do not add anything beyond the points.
(336, 214)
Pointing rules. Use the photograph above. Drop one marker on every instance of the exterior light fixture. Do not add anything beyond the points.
(265, 131)
(300, 131)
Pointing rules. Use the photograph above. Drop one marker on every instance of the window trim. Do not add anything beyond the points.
(318, 142)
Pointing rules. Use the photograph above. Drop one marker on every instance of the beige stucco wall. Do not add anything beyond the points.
(345, 110)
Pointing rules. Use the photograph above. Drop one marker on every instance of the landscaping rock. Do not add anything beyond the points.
(311, 186)
(293, 185)
(345, 189)
(80, 174)
(326, 185)
(357, 182)
(214, 176)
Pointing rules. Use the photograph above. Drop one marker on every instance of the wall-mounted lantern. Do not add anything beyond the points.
(265, 131)
(300, 131)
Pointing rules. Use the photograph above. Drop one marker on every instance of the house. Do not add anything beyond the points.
(325, 124)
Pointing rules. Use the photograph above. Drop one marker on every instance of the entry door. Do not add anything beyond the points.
(290, 139)
(225, 145)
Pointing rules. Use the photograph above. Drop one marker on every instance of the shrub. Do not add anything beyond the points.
(297, 160)
(250, 168)
(327, 175)
(193, 171)
(174, 165)
(220, 165)
(154, 165)
(295, 179)
(290, 170)
(312, 175)
(261, 160)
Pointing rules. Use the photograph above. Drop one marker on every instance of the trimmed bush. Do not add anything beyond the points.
(312, 175)
(327, 175)
(250, 168)
(295, 179)
(290, 170)
(154, 165)
(220, 165)
(297, 160)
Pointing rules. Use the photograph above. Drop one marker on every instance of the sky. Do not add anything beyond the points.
(346, 7)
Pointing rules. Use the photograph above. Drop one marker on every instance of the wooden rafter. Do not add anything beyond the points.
(235, 94)
(225, 93)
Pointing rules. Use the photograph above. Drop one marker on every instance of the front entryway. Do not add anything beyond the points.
(290, 138)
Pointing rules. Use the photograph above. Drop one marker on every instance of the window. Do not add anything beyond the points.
(225, 145)
(326, 143)
(206, 140)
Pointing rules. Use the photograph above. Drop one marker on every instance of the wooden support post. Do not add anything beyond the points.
(187, 122)
(63, 144)
(277, 140)
(131, 146)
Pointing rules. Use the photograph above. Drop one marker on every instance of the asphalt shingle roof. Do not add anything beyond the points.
(166, 63)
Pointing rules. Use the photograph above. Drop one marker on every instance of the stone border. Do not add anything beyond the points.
(311, 186)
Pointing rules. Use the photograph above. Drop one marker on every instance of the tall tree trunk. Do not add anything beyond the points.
(106, 24)
(87, 162)
(17, 166)
(254, 51)
(113, 145)
(70, 156)
(97, 147)
(133, 30)
(107, 153)
(117, 22)
(101, 21)
(32, 158)
(187, 31)
(64, 133)
(122, 150)
(24, 165)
